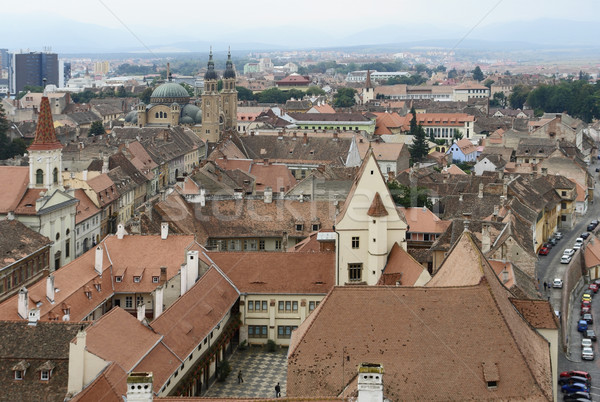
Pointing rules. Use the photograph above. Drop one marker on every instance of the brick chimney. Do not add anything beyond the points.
(305, 138)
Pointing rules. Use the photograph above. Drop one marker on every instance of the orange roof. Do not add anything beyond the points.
(592, 253)
(324, 108)
(466, 146)
(383, 151)
(377, 209)
(276, 272)
(471, 85)
(499, 267)
(453, 169)
(45, 136)
(13, 181)
(85, 208)
(401, 268)
(538, 313)
(110, 338)
(385, 121)
(582, 194)
(422, 220)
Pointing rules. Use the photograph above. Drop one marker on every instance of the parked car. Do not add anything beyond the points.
(553, 241)
(586, 296)
(585, 310)
(574, 395)
(585, 343)
(590, 334)
(575, 387)
(558, 235)
(569, 252)
(588, 318)
(582, 326)
(594, 223)
(577, 246)
(584, 235)
(577, 373)
(544, 251)
(557, 283)
(565, 259)
(597, 282)
(590, 227)
(567, 380)
(579, 240)
(586, 303)
(548, 245)
(587, 354)
(594, 287)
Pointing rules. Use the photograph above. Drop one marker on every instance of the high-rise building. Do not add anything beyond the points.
(31, 69)
(3, 59)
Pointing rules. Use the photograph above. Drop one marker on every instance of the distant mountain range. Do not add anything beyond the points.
(69, 37)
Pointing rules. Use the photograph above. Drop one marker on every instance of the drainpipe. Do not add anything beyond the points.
(337, 257)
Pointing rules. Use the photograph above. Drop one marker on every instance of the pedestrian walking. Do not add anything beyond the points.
(277, 391)
(545, 286)
(240, 378)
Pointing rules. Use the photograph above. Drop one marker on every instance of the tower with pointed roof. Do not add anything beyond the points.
(368, 92)
(229, 96)
(367, 227)
(45, 153)
(211, 117)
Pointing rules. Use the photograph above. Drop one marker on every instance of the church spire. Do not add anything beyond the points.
(368, 84)
(211, 74)
(45, 136)
(229, 72)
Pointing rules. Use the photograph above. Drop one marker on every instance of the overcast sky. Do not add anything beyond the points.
(218, 19)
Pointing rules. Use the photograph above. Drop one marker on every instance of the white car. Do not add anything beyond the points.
(558, 235)
(587, 354)
(577, 246)
(565, 259)
(586, 343)
(579, 240)
(569, 251)
(557, 283)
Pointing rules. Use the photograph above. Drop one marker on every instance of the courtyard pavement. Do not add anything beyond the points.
(261, 371)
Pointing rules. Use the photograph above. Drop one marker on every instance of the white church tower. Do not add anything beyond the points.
(367, 227)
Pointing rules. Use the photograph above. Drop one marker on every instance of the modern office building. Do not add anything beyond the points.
(31, 69)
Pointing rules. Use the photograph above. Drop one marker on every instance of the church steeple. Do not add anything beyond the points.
(45, 136)
(211, 74)
(229, 72)
(229, 96)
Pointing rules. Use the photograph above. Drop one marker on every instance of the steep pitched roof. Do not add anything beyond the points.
(377, 209)
(401, 268)
(18, 241)
(14, 181)
(45, 136)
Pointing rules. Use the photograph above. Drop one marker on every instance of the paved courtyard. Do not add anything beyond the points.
(261, 371)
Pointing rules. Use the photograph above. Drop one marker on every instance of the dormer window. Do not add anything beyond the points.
(46, 370)
(88, 294)
(118, 278)
(44, 375)
(20, 369)
(19, 375)
(137, 279)
(98, 287)
(155, 279)
(299, 227)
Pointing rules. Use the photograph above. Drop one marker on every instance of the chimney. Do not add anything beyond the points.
(192, 268)
(183, 279)
(141, 311)
(480, 195)
(158, 301)
(305, 138)
(268, 195)
(98, 260)
(202, 197)
(139, 387)
(84, 175)
(544, 171)
(496, 211)
(335, 136)
(50, 288)
(34, 316)
(485, 237)
(460, 197)
(105, 165)
(370, 382)
(77, 352)
(10, 216)
(238, 194)
(121, 231)
(23, 303)
(164, 230)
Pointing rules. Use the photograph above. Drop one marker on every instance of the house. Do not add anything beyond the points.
(25, 257)
(489, 163)
(463, 151)
(294, 81)
(534, 150)
(402, 269)
(266, 174)
(470, 90)
(87, 223)
(443, 125)
(278, 290)
(368, 226)
(325, 182)
(35, 195)
(490, 337)
(424, 227)
(591, 258)
(334, 121)
(391, 157)
(388, 123)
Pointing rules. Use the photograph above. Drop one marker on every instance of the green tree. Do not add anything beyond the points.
(499, 100)
(83, 97)
(478, 74)
(440, 69)
(245, 94)
(488, 83)
(8, 148)
(452, 74)
(410, 196)
(145, 95)
(419, 148)
(457, 135)
(518, 97)
(188, 88)
(121, 93)
(344, 97)
(97, 128)
(315, 90)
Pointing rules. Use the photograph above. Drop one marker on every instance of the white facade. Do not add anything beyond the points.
(87, 233)
(484, 165)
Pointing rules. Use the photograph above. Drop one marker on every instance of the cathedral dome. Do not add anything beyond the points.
(186, 120)
(169, 92)
(199, 117)
(190, 110)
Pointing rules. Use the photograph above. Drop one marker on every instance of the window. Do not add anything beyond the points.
(55, 176)
(355, 242)
(39, 176)
(281, 306)
(139, 300)
(45, 375)
(118, 279)
(18, 374)
(285, 331)
(128, 301)
(312, 305)
(288, 306)
(408, 236)
(426, 237)
(315, 227)
(265, 305)
(250, 306)
(299, 227)
(155, 279)
(295, 306)
(355, 272)
(257, 331)
(261, 244)
(136, 279)
(67, 248)
(277, 244)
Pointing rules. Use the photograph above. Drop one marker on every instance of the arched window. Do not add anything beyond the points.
(55, 176)
(156, 115)
(39, 177)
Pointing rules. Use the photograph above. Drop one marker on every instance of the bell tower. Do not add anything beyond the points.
(210, 103)
(229, 96)
(45, 153)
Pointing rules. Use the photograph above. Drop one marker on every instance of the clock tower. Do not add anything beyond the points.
(45, 153)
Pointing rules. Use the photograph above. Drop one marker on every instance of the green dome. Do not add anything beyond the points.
(186, 120)
(169, 90)
(199, 117)
(190, 110)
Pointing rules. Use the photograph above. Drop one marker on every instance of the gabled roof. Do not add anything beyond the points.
(422, 220)
(377, 209)
(14, 181)
(18, 241)
(592, 253)
(401, 268)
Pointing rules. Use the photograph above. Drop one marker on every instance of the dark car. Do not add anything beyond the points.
(584, 235)
(590, 227)
(588, 318)
(574, 395)
(590, 334)
(575, 387)
(544, 251)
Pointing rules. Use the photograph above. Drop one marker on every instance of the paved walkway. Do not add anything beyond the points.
(261, 371)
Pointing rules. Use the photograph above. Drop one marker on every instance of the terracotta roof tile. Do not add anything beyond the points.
(377, 209)
(85, 208)
(18, 241)
(401, 268)
(45, 136)
(14, 181)
(538, 313)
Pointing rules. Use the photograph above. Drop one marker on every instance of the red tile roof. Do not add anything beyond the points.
(45, 136)
(85, 208)
(13, 181)
(401, 268)
(377, 209)
(422, 220)
(276, 272)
